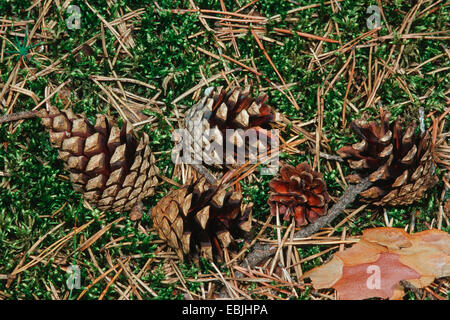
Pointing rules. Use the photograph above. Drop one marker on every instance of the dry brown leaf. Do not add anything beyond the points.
(381, 259)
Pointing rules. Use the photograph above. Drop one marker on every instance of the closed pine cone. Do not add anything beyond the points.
(397, 161)
(107, 165)
(200, 220)
(220, 110)
(300, 193)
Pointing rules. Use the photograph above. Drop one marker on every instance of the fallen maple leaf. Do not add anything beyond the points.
(381, 259)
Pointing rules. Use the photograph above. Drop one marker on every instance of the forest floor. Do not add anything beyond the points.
(322, 64)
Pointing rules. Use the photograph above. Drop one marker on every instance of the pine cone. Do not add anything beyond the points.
(446, 208)
(107, 164)
(397, 161)
(199, 220)
(300, 192)
(208, 121)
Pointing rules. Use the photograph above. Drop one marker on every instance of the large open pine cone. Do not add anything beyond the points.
(397, 161)
(219, 110)
(199, 220)
(300, 192)
(107, 165)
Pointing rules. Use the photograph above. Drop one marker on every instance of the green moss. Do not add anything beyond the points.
(36, 187)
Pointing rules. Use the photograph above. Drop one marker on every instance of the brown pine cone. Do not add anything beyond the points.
(199, 220)
(107, 165)
(398, 161)
(447, 208)
(300, 192)
(208, 121)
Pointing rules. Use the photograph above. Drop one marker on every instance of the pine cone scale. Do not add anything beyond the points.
(220, 110)
(300, 192)
(396, 160)
(104, 162)
(200, 220)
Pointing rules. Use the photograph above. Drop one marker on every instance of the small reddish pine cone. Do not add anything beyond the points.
(397, 161)
(199, 220)
(300, 193)
(220, 110)
(109, 166)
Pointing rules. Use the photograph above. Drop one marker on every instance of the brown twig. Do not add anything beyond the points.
(407, 285)
(205, 173)
(346, 199)
(261, 251)
(19, 116)
(306, 35)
